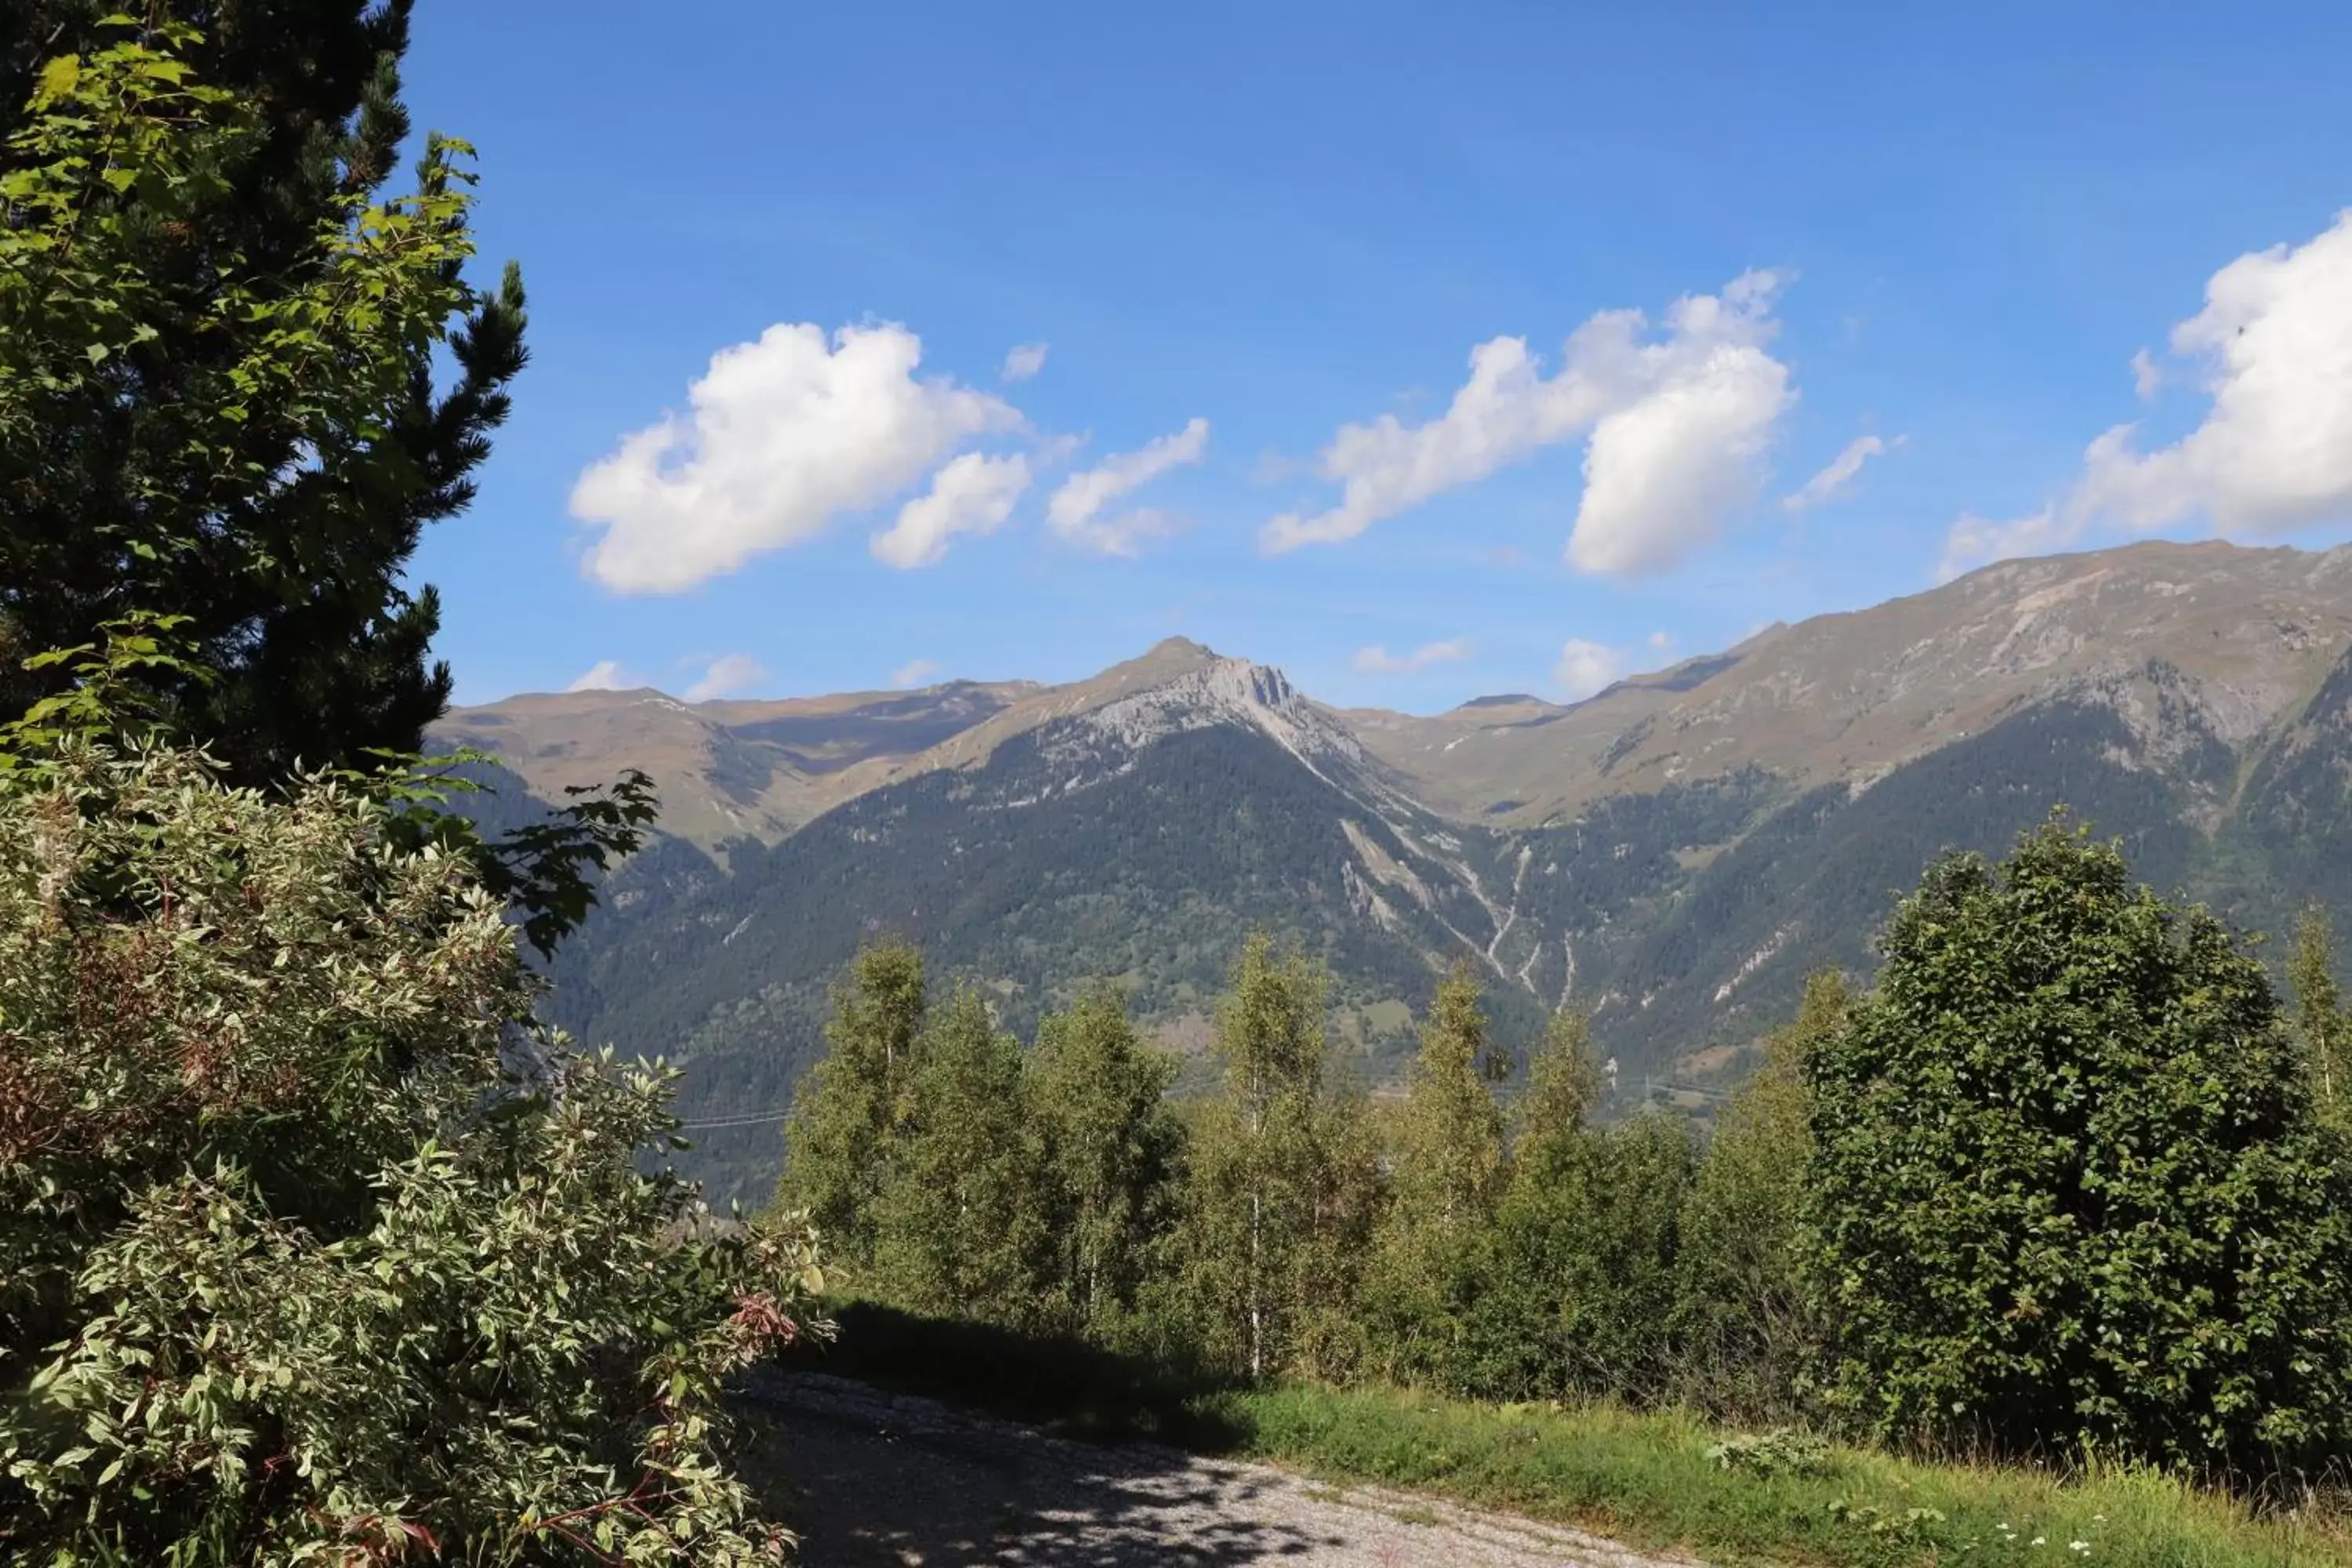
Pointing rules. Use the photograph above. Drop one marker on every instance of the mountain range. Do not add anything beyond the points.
(1673, 855)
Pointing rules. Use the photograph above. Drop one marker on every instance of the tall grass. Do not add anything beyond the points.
(1659, 1480)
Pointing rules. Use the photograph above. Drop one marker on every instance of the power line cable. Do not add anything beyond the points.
(755, 1121)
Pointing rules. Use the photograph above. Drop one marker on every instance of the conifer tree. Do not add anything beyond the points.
(1278, 1204)
(2319, 1013)
(852, 1106)
(1743, 1332)
(143, 469)
(1446, 1178)
(1097, 1097)
(961, 1226)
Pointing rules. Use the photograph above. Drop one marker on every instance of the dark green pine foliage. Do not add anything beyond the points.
(293, 587)
(2068, 1187)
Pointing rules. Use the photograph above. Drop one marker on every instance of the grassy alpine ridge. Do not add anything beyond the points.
(1683, 915)
(1674, 856)
(1658, 1479)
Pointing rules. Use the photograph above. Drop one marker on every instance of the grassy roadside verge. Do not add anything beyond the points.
(1649, 1480)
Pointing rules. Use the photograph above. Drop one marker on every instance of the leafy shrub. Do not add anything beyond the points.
(1744, 1333)
(1783, 1451)
(1584, 1264)
(2067, 1186)
(319, 1246)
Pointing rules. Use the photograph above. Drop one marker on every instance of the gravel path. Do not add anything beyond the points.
(879, 1478)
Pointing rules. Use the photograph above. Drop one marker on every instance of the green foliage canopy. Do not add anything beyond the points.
(2067, 1184)
(1282, 1186)
(842, 1137)
(217, 350)
(317, 1244)
(1096, 1099)
(1745, 1326)
(1585, 1255)
(960, 1220)
(1446, 1178)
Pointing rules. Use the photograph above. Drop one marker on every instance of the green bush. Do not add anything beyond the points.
(1581, 1294)
(318, 1247)
(1745, 1334)
(2068, 1190)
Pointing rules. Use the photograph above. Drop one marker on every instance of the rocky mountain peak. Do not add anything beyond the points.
(1165, 659)
(1225, 691)
(2246, 636)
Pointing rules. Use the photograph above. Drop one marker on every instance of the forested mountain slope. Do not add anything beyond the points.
(1673, 855)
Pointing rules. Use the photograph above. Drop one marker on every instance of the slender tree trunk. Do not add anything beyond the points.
(1257, 1226)
(1256, 1328)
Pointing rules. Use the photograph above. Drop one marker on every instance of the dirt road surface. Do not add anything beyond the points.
(879, 1481)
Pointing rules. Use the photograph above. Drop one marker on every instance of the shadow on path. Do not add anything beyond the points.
(870, 1478)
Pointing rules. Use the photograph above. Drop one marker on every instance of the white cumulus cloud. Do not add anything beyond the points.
(783, 434)
(604, 675)
(913, 672)
(2271, 351)
(2272, 348)
(1072, 512)
(1838, 472)
(1025, 360)
(1674, 425)
(726, 674)
(973, 494)
(1586, 666)
(1377, 661)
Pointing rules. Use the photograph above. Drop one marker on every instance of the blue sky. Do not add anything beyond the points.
(1950, 230)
